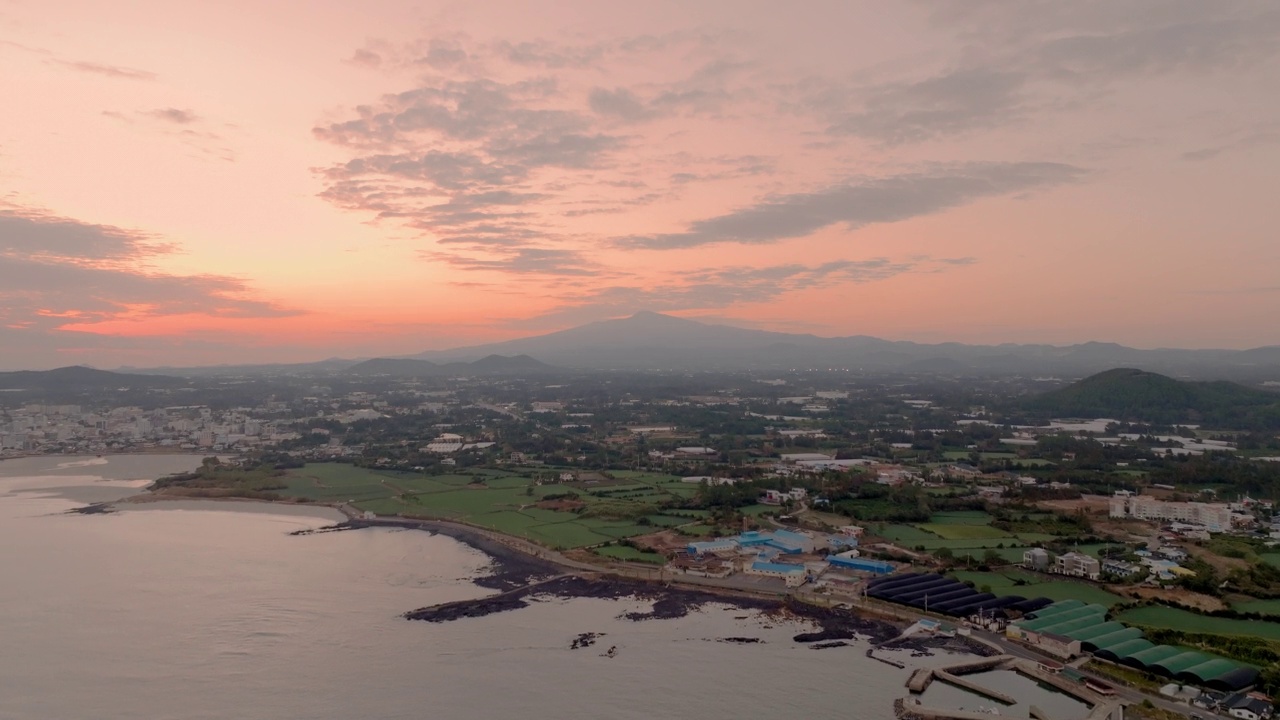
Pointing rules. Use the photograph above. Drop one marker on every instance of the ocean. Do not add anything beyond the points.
(202, 609)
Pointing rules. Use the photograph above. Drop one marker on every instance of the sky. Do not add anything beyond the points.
(198, 183)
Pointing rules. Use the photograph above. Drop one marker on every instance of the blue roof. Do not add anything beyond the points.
(860, 563)
(776, 567)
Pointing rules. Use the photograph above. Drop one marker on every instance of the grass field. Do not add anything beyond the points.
(503, 501)
(1265, 607)
(1005, 583)
(965, 532)
(1270, 558)
(622, 552)
(961, 517)
(1174, 619)
(907, 534)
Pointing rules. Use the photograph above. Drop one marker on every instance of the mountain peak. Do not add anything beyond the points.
(653, 318)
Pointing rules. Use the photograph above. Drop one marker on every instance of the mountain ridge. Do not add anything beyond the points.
(655, 341)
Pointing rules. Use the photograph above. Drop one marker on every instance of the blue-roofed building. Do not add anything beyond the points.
(795, 575)
(721, 546)
(787, 541)
(792, 541)
(753, 538)
(861, 564)
(842, 542)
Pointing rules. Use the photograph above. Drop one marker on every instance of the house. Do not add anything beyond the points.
(964, 470)
(706, 566)
(1247, 707)
(1036, 559)
(1120, 568)
(1078, 565)
(777, 497)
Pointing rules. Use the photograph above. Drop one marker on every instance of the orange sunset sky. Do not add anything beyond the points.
(187, 183)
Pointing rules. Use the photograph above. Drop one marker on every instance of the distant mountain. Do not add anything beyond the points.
(410, 368)
(501, 364)
(395, 367)
(320, 367)
(78, 377)
(1136, 395)
(652, 341)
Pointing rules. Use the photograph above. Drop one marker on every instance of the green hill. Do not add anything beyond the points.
(1137, 395)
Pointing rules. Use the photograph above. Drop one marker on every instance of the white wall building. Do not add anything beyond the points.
(1214, 517)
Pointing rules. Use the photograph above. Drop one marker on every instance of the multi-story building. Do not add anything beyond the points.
(1079, 565)
(1214, 517)
(1036, 559)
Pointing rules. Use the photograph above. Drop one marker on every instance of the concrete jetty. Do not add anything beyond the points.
(910, 708)
(973, 687)
(920, 680)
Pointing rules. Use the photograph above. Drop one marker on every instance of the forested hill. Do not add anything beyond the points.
(1136, 395)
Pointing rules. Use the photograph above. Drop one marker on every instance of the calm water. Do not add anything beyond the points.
(1025, 690)
(211, 610)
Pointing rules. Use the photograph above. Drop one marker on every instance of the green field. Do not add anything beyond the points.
(1005, 583)
(622, 552)
(1174, 619)
(961, 517)
(907, 534)
(504, 501)
(1270, 558)
(965, 532)
(334, 482)
(1264, 607)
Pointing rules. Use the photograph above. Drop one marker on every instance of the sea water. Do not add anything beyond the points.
(204, 609)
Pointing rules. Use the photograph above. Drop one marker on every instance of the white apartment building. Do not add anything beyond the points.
(1214, 517)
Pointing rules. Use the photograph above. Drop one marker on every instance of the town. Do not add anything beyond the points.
(1107, 544)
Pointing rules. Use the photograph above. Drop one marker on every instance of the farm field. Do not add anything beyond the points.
(961, 517)
(622, 552)
(1005, 583)
(504, 501)
(1265, 607)
(1175, 619)
(964, 532)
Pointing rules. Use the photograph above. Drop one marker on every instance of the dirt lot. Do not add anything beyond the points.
(1222, 565)
(1178, 595)
(1092, 504)
(664, 542)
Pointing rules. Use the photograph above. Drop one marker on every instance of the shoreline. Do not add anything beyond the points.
(520, 569)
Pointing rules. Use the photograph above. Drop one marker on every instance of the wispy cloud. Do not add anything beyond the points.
(105, 70)
(55, 270)
(186, 126)
(718, 288)
(523, 261)
(859, 202)
(173, 115)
